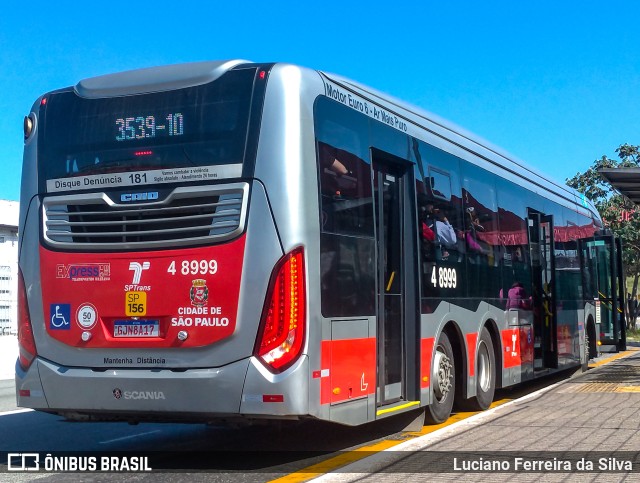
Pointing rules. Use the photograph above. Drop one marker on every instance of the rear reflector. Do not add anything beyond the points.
(26, 342)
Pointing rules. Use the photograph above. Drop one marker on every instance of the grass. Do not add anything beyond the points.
(633, 335)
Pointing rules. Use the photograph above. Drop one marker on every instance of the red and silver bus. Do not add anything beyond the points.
(231, 240)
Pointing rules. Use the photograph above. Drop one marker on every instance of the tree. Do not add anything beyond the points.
(617, 212)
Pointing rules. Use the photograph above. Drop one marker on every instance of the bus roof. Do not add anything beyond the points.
(154, 79)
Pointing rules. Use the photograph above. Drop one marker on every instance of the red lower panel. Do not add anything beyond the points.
(348, 369)
(426, 354)
(472, 340)
(565, 340)
(142, 299)
(517, 346)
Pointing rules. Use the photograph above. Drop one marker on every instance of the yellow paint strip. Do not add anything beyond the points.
(614, 357)
(336, 462)
(500, 402)
(628, 389)
(397, 408)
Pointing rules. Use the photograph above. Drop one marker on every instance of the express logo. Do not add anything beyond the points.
(84, 272)
(199, 293)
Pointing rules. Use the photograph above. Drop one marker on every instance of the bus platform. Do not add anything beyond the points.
(583, 428)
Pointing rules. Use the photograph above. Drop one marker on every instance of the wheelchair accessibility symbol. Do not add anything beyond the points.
(60, 316)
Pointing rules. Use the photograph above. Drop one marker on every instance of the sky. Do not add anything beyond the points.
(554, 82)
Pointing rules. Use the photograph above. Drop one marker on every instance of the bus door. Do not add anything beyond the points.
(603, 282)
(541, 246)
(396, 279)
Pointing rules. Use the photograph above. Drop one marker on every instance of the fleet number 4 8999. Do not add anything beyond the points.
(194, 267)
(444, 277)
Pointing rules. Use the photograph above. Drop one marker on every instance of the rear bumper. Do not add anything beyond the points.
(127, 393)
(162, 394)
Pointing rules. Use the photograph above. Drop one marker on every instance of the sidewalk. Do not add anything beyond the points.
(8, 356)
(593, 417)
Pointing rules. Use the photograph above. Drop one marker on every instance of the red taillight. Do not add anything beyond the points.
(281, 335)
(26, 342)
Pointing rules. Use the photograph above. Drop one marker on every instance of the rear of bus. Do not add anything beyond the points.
(154, 281)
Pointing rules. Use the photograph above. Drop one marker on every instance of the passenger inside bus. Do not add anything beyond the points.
(471, 232)
(517, 297)
(439, 236)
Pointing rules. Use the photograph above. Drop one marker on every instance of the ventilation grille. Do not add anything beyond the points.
(188, 216)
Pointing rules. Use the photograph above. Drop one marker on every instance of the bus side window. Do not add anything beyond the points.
(437, 216)
(439, 223)
(347, 246)
(345, 183)
(512, 217)
(485, 253)
(439, 233)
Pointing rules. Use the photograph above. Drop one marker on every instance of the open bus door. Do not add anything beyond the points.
(397, 299)
(545, 334)
(604, 284)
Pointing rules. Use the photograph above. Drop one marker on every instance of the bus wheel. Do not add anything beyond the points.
(485, 371)
(443, 381)
(588, 355)
(485, 377)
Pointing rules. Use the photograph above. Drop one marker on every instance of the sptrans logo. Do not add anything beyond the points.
(137, 269)
(84, 272)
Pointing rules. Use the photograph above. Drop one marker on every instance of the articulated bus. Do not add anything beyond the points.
(222, 241)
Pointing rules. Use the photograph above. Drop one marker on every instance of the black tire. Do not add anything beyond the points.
(443, 382)
(589, 345)
(585, 364)
(485, 376)
(485, 371)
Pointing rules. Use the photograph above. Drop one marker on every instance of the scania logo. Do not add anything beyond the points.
(119, 394)
(144, 395)
(128, 197)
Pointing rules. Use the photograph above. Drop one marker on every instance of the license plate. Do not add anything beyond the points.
(136, 328)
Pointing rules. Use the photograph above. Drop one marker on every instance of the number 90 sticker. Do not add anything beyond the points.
(87, 316)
